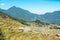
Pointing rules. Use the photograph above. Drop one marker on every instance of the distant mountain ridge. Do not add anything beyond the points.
(20, 13)
(53, 17)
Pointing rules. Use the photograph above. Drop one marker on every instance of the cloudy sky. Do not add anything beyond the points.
(34, 6)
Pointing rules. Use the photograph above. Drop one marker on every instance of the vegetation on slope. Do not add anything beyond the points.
(1, 35)
(4, 16)
(11, 34)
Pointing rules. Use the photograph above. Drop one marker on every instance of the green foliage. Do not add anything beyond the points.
(1, 35)
(47, 23)
(39, 22)
(55, 27)
(23, 22)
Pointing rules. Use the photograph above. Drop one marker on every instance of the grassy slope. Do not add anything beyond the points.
(6, 22)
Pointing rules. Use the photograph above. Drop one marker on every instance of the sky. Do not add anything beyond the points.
(34, 6)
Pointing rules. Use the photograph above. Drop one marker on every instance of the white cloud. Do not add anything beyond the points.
(2, 4)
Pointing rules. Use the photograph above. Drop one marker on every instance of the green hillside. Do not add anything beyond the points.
(9, 29)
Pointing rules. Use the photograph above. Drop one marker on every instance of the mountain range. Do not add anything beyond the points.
(19, 13)
(53, 17)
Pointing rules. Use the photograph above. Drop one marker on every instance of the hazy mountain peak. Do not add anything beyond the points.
(13, 7)
(16, 9)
